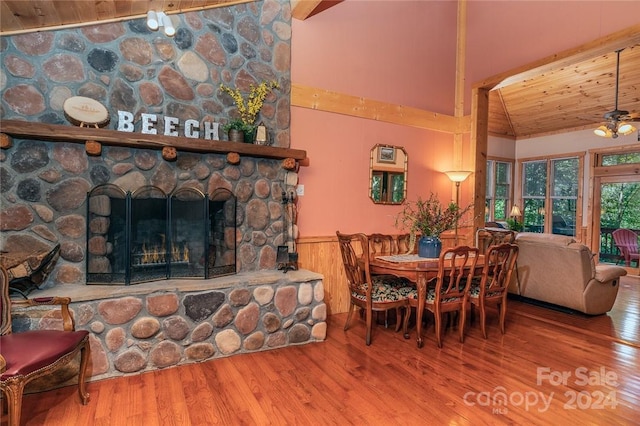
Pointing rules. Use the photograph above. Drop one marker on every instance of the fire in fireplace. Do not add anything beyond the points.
(148, 235)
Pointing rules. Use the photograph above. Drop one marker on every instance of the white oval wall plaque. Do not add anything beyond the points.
(85, 111)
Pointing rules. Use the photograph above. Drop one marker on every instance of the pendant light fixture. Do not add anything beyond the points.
(615, 124)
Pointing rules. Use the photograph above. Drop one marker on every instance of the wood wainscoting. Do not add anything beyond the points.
(322, 255)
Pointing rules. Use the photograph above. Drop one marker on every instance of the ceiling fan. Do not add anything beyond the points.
(615, 120)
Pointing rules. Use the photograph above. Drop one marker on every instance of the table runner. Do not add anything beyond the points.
(405, 258)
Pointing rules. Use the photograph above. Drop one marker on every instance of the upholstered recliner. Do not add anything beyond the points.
(558, 270)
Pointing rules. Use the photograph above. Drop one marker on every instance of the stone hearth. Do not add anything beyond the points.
(150, 326)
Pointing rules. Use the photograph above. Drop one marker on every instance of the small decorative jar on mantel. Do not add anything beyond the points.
(235, 130)
(235, 135)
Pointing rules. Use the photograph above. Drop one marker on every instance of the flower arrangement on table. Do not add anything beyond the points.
(430, 217)
(248, 108)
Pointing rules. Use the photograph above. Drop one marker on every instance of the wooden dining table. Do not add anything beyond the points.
(421, 271)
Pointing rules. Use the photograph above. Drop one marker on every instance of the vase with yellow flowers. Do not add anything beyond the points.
(248, 109)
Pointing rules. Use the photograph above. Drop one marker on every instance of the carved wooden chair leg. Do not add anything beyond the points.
(438, 318)
(349, 315)
(84, 363)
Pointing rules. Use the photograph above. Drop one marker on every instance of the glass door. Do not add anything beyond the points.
(617, 206)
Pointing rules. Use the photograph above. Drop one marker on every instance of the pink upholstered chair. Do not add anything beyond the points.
(31, 354)
(627, 242)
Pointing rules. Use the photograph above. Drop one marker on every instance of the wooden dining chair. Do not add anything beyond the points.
(487, 237)
(627, 242)
(406, 244)
(385, 245)
(32, 354)
(382, 244)
(456, 267)
(499, 264)
(377, 293)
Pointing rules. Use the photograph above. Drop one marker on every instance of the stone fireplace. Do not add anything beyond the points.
(63, 196)
(53, 192)
(149, 235)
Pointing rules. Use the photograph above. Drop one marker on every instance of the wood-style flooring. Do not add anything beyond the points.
(549, 368)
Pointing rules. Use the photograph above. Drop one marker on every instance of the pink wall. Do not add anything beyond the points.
(403, 52)
(336, 180)
(396, 52)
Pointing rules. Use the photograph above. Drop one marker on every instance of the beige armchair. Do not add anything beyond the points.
(558, 270)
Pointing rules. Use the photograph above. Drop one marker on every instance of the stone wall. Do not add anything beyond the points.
(44, 185)
(45, 188)
(126, 66)
(189, 321)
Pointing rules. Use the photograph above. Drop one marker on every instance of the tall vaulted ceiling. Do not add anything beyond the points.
(554, 96)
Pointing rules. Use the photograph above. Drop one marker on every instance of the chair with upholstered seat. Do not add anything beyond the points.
(456, 267)
(32, 354)
(627, 242)
(385, 245)
(499, 264)
(377, 293)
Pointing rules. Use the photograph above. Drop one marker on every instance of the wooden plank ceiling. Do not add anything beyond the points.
(569, 97)
(566, 98)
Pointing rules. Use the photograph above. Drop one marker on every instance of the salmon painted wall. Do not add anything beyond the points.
(397, 52)
(336, 182)
(403, 52)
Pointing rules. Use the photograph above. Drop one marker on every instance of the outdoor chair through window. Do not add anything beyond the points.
(627, 242)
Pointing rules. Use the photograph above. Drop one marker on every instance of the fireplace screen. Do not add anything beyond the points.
(148, 236)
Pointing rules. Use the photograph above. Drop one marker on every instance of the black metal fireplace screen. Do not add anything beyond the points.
(148, 235)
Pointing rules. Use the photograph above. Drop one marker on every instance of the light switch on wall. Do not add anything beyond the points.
(300, 190)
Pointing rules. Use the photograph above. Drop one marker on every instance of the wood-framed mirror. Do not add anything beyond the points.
(388, 174)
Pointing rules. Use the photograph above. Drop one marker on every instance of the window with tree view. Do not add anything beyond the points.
(498, 190)
(550, 190)
(619, 202)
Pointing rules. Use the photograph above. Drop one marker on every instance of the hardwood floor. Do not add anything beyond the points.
(342, 381)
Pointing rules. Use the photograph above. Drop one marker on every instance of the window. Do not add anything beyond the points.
(499, 177)
(550, 194)
(617, 159)
(534, 194)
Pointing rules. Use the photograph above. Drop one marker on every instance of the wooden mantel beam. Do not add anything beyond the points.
(62, 133)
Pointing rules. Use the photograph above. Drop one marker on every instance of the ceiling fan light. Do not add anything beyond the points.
(626, 128)
(603, 131)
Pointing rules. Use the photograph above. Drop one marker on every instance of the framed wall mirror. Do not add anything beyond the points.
(388, 174)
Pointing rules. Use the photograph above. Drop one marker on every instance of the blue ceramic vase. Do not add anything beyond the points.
(429, 247)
